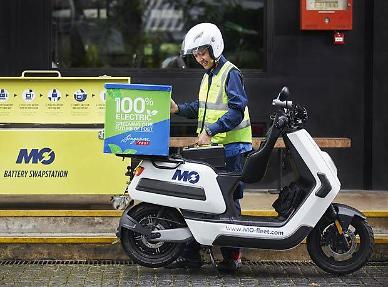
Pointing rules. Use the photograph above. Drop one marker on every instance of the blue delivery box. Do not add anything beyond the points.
(137, 119)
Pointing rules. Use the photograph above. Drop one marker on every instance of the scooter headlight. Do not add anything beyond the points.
(138, 170)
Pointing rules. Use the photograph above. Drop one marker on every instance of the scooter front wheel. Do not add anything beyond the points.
(147, 252)
(327, 249)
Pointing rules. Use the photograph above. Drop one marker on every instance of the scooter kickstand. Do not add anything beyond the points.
(210, 251)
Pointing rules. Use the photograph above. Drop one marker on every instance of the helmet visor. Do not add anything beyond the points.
(194, 51)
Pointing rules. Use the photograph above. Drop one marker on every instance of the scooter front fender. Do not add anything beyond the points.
(346, 214)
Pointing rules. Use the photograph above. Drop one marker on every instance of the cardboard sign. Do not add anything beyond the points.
(137, 119)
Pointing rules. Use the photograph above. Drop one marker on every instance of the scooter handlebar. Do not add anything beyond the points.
(281, 122)
(282, 104)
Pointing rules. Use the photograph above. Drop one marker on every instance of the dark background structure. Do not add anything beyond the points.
(344, 88)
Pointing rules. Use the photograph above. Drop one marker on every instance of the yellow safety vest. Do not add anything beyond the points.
(217, 106)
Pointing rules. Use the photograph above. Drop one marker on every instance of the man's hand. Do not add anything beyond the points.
(204, 138)
(173, 107)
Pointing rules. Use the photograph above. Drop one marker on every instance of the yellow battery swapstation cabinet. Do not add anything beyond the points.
(51, 138)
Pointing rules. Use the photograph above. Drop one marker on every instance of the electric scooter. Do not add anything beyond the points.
(183, 198)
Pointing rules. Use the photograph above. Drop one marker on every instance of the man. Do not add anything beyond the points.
(223, 118)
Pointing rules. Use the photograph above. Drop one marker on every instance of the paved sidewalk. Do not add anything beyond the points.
(261, 274)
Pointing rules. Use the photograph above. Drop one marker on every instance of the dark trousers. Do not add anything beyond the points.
(233, 164)
(236, 164)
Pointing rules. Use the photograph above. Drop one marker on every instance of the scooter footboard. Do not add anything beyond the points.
(278, 244)
(240, 234)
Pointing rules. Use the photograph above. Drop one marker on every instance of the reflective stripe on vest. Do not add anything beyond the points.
(217, 106)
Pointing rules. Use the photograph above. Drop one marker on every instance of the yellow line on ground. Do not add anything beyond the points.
(259, 212)
(58, 240)
(376, 213)
(60, 213)
(381, 239)
(117, 213)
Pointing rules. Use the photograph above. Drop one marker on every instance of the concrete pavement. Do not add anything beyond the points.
(267, 274)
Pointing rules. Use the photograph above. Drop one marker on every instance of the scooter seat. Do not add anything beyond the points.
(256, 163)
(211, 155)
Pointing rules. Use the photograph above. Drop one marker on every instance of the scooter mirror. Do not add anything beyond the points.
(284, 93)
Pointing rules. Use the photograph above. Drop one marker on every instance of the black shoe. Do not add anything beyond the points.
(229, 266)
(183, 262)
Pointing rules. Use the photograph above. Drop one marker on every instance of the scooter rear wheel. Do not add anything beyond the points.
(328, 252)
(150, 253)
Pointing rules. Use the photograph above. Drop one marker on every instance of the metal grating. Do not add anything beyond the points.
(128, 262)
(66, 262)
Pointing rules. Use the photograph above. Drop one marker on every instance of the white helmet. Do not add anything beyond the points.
(202, 35)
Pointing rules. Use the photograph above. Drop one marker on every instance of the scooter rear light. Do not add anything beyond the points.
(138, 170)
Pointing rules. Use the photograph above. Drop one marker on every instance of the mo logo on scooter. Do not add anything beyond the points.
(190, 176)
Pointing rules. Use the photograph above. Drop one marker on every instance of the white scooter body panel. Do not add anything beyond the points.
(317, 162)
(188, 174)
(205, 201)
(308, 213)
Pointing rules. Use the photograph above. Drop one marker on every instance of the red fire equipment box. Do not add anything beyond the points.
(326, 14)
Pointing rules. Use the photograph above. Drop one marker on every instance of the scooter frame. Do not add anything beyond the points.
(205, 200)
